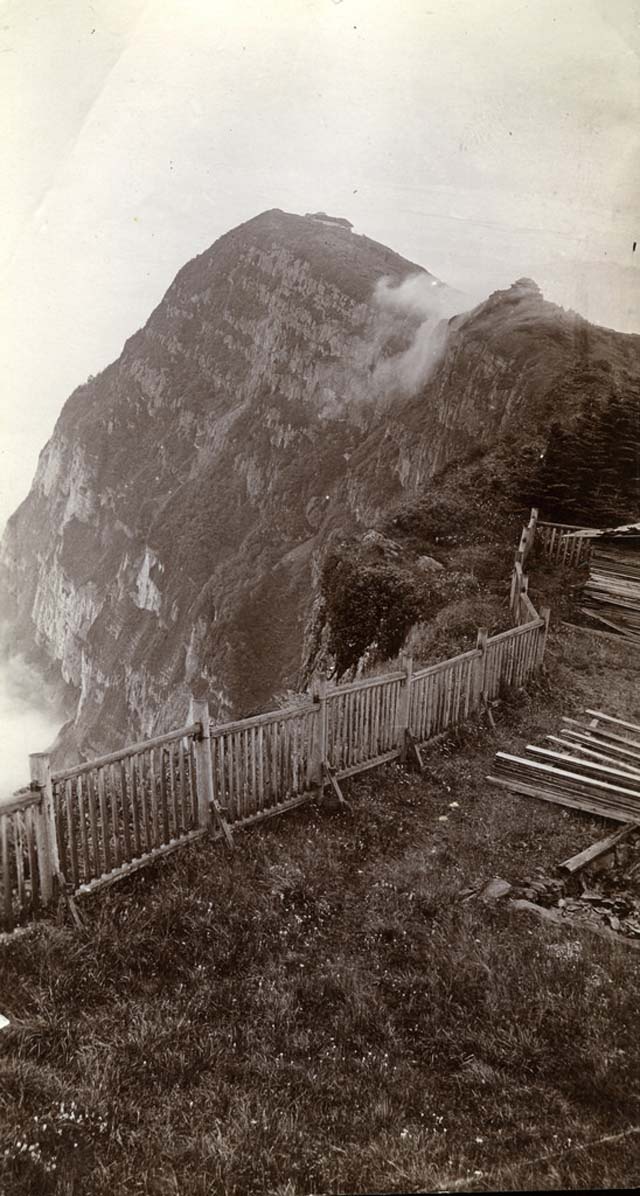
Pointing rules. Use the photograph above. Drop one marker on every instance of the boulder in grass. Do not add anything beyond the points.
(494, 889)
(429, 564)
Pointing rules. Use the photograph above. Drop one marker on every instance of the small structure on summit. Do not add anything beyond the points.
(322, 218)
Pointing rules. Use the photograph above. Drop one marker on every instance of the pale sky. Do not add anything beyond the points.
(484, 139)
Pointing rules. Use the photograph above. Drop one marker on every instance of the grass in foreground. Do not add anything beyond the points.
(325, 1012)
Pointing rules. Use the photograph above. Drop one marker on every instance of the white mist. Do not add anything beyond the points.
(27, 723)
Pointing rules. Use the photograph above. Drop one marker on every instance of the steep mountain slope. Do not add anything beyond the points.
(170, 540)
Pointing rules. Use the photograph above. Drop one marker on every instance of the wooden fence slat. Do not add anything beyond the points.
(524, 656)
(285, 787)
(426, 685)
(93, 824)
(340, 714)
(314, 720)
(281, 764)
(533, 654)
(7, 882)
(58, 817)
(344, 730)
(282, 772)
(184, 804)
(232, 797)
(173, 790)
(276, 772)
(243, 744)
(239, 758)
(104, 824)
(239, 771)
(245, 772)
(30, 816)
(233, 770)
(153, 798)
(333, 730)
(193, 785)
(84, 837)
(295, 757)
(135, 813)
(141, 762)
(358, 736)
(18, 846)
(223, 788)
(126, 811)
(375, 731)
(261, 796)
(254, 769)
(115, 814)
(386, 716)
(71, 831)
(265, 765)
(448, 687)
(164, 809)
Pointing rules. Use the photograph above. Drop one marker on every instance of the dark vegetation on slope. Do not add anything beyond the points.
(583, 470)
(324, 1011)
(591, 469)
(438, 567)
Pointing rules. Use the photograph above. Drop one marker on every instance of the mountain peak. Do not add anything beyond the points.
(526, 286)
(172, 536)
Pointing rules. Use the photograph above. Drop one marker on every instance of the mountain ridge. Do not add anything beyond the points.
(171, 541)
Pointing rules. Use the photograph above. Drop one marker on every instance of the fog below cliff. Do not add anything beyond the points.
(26, 724)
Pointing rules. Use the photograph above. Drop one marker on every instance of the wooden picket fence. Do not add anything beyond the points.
(81, 828)
(558, 547)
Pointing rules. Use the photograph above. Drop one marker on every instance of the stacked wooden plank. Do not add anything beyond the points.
(611, 595)
(593, 765)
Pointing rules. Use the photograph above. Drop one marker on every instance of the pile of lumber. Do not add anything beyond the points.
(592, 765)
(611, 595)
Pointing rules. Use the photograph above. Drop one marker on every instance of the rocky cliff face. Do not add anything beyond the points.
(169, 540)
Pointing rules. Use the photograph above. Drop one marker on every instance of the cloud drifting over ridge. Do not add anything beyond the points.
(422, 299)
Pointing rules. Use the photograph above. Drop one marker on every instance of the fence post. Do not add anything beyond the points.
(531, 531)
(481, 643)
(207, 800)
(522, 615)
(46, 833)
(516, 586)
(404, 707)
(545, 613)
(319, 745)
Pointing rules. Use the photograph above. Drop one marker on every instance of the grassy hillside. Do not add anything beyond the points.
(323, 1011)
